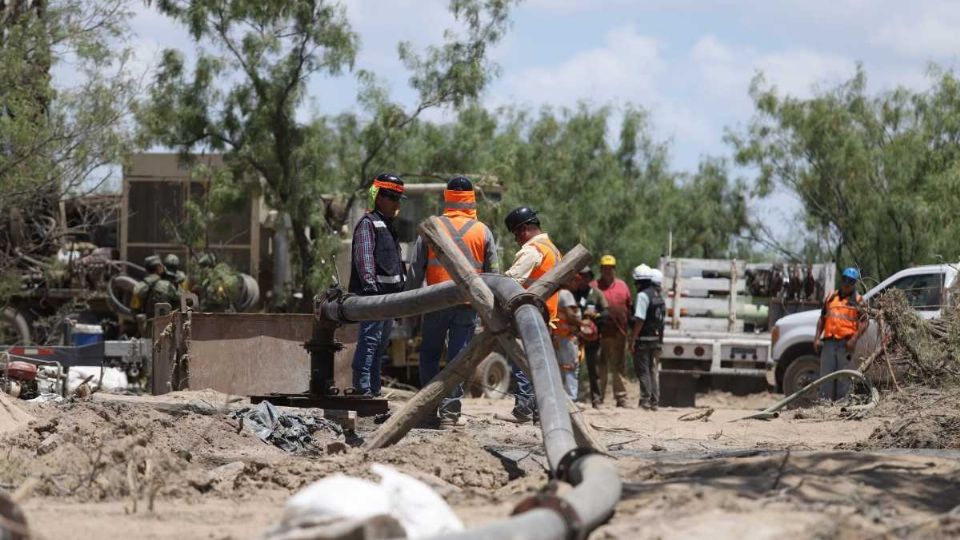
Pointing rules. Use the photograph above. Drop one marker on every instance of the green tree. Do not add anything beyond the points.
(57, 142)
(254, 60)
(877, 175)
(615, 196)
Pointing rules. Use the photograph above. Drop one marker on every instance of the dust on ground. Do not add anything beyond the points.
(97, 464)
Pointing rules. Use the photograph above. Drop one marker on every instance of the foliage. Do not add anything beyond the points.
(57, 141)
(878, 176)
(614, 196)
(254, 62)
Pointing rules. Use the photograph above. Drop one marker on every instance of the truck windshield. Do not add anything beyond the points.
(923, 291)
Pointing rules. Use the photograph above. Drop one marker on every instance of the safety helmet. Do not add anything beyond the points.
(586, 270)
(656, 276)
(642, 273)
(608, 260)
(171, 261)
(851, 273)
(459, 183)
(390, 182)
(521, 216)
(150, 261)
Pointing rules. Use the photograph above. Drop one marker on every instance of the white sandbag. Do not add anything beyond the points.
(114, 379)
(421, 511)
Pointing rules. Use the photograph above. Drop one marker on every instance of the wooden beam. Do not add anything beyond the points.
(462, 367)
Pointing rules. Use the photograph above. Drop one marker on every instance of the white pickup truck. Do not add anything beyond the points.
(793, 362)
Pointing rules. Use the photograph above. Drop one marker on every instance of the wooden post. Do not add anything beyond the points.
(462, 367)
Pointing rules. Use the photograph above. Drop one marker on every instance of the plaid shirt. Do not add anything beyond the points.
(364, 241)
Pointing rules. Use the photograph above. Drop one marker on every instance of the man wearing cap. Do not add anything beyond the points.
(593, 309)
(172, 272)
(154, 289)
(537, 255)
(841, 324)
(455, 325)
(376, 268)
(613, 331)
(646, 338)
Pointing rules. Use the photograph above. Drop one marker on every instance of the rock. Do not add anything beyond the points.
(657, 448)
(337, 447)
(224, 477)
(49, 444)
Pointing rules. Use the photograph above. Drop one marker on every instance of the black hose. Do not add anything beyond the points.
(545, 371)
(597, 484)
(115, 302)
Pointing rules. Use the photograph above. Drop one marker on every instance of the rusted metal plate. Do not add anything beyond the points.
(249, 353)
(240, 353)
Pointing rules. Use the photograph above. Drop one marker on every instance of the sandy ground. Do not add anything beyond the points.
(803, 475)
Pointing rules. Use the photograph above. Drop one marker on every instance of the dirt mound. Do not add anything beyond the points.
(920, 418)
(12, 416)
(102, 451)
(450, 462)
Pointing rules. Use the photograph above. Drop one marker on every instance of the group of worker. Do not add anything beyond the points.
(594, 319)
(163, 282)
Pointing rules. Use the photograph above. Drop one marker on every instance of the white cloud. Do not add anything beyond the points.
(927, 30)
(624, 69)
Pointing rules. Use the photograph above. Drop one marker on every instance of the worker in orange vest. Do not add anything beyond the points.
(536, 257)
(455, 325)
(841, 324)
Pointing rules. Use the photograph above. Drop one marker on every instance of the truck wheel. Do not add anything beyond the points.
(493, 376)
(14, 327)
(802, 371)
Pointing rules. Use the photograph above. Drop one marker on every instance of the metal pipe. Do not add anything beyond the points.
(555, 424)
(597, 485)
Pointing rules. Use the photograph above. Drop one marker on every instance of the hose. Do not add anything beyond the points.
(771, 411)
(119, 307)
(597, 483)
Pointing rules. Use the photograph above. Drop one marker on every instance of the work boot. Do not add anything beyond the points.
(622, 402)
(450, 422)
(596, 403)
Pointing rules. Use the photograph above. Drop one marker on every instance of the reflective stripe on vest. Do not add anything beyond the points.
(842, 319)
(471, 241)
(550, 256)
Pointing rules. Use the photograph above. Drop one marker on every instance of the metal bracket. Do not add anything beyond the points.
(527, 298)
(565, 467)
(559, 505)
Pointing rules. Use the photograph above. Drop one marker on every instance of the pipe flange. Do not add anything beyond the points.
(568, 460)
(526, 298)
(575, 529)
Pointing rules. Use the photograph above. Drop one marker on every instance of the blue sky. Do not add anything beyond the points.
(689, 63)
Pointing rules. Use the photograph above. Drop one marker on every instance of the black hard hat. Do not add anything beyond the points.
(390, 178)
(521, 216)
(459, 183)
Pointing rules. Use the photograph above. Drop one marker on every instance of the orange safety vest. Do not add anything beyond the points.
(459, 220)
(550, 257)
(842, 316)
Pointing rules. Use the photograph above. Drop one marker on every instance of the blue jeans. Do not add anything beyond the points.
(834, 357)
(371, 344)
(456, 326)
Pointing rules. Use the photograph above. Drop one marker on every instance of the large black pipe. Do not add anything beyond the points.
(598, 486)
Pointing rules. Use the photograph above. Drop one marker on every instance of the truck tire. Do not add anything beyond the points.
(14, 328)
(802, 371)
(493, 376)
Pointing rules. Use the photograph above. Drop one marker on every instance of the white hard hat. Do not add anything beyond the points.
(656, 276)
(642, 272)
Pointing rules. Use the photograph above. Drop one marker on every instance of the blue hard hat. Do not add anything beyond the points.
(851, 273)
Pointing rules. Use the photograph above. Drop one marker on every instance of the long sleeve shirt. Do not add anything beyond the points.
(528, 258)
(364, 242)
